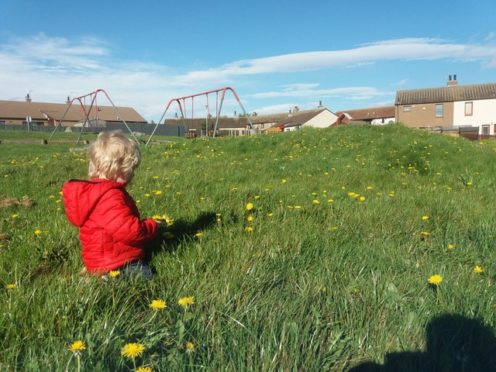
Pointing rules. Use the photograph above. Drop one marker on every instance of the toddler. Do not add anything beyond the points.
(113, 237)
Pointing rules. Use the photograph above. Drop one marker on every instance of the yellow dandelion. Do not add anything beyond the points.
(185, 302)
(157, 305)
(315, 201)
(425, 234)
(143, 369)
(14, 216)
(362, 199)
(330, 201)
(478, 269)
(391, 194)
(250, 218)
(37, 232)
(10, 286)
(147, 195)
(425, 218)
(114, 273)
(157, 192)
(132, 350)
(451, 246)
(189, 346)
(199, 234)
(297, 207)
(249, 206)
(270, 214)
(77, 346)
(435, 279)
(284, 180)
(257, 197)
(249, 229)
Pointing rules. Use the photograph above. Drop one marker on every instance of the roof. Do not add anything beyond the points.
(289, 119)
(21, 109)
(446, 94)
(369, 113)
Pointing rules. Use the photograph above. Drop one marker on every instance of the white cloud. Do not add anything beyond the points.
(312, 90)
(389, 50)
(271, 109)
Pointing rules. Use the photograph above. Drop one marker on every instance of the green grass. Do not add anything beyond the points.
(325, 281)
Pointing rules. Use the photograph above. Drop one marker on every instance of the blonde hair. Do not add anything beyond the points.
(113, 156)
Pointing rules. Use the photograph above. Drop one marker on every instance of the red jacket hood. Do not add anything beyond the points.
(80, 197)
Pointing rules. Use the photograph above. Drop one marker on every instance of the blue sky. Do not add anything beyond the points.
(275, 54)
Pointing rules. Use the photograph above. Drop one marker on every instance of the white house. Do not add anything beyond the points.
(476, 112)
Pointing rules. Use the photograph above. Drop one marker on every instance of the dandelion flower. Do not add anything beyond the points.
(132, 350)
(185, 302)
(77, 346)
(249, 229)
(249, 206)
(425, 234)
(14, 216)
(362, 199)
(189, 346)
(435, 279)
(157, 305)
(10, 286)
(425, 218)
(270, 214)
(315, 202)
(199, 234)
(284, 180)
(157, 192)
(250, 218)
(143, 369)
(114, 273)
(478, 269)
(37, 232)
(451, 246)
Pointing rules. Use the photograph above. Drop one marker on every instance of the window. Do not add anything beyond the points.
(439, 110)
(469, 106)
(485, 130)
(407, 108)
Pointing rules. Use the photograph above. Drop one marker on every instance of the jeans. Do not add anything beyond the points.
(134, 269)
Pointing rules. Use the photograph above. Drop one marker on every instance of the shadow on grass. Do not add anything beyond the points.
(454, 343)
(169, 238)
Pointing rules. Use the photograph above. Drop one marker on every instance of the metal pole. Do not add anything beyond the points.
(218, 113)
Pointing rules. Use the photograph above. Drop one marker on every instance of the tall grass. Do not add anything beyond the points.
(328, 270)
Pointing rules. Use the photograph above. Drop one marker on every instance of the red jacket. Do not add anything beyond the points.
(111, 231)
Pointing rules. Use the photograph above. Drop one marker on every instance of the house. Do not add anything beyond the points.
(294, 120)
(372, 115)
(451, 106)
(50, 114)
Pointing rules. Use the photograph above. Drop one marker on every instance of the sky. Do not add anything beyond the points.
(274, 54)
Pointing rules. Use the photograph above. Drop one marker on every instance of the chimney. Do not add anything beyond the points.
(452, 82)
(28, 98)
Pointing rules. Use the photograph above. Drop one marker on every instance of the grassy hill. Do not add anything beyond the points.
(329, 270)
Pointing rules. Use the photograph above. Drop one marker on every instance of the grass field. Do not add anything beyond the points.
(328, 271)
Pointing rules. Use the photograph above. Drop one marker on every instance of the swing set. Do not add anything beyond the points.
(87, 111)
(185, 101)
